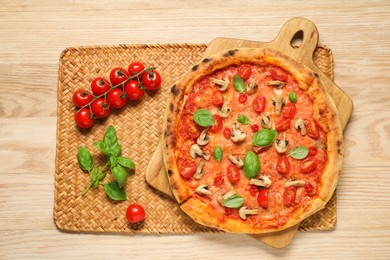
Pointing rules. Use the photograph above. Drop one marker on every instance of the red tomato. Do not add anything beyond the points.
(81, 97)
(262, 198)
(242, 98)
(100, 108)
(218, 124)
(309, 164)
(218, 180)
(259, 149)
(191, 130)
(310, 189)
(312, 150)
(233, 173)
(188, 170)
(190, 106)
(278, 74)
(244, 71)
(259, 104)
(116, 98)
(312, 129)
(283, 125)
(227, 133)
(217, 98)
(135, 213)
(255, 128)
(253, 190)
(229, 211)
(283, 165)
(289, 110)
(133, 90)
(83, 118)
(117, 76)
(151, 79)
(100, 86)
(289, 195)
(135, 67)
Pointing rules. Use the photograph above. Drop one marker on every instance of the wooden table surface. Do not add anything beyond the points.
(32, 36)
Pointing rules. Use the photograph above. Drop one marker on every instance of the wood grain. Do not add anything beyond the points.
(32, 36)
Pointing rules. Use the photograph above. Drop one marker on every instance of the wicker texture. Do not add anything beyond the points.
(139, 126)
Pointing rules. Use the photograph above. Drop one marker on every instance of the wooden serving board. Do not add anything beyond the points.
(299, 29)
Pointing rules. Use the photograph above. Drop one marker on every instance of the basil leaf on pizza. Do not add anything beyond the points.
(243, 119)
(218, 153)
(251, 165)
(235, 201)
(264, 137)
(292, 97)
(238, 83)
(299, 152)
(203, 117)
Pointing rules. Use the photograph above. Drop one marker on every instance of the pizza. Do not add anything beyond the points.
(253, 142)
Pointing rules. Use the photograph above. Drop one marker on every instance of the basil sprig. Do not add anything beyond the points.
(235, 201)
(292, 97)
(264, 137)
(85, 159)
(243, 119)
(218, 153)
(251, 165)
(203, 117)
(299, 152)
(238, 83)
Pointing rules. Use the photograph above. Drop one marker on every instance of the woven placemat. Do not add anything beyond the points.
(139, 126)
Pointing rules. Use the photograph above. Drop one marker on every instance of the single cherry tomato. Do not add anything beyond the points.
(135, 67)
(283, 165)
(253, 190)
(255, 128)
(83, 118)
(233, 173)
(244, 71)
(191, 130)
(218, 180)
(227, 133)
(135, 213)
(151, 80)
(278, 74)
(117, 76)
(310, 189)
(217, 98)
(262, 198)
(116, 98)
(309, 164)
(100, 108)
(259, 104)
(312, 129)
(187, 170)
(242, 98)
(283, 125)
(289, 195)
(289, 110)
(218, 124)
(81, 97)
(133, 90)
(312, 151)
(99, 86)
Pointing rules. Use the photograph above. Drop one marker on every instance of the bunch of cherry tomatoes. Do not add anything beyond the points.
(124, 85)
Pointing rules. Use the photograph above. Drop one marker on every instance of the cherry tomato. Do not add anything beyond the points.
(259, 149)
(116, 98)
(227, 133)
(278, 74)
(81, 97)
(283, 125)
(191, 130)
(217, 98)
(83, 118)
(135, 213)
(253, 190)
(242, 98)
(289, 110)
(244, 71)
(233, 173)
(218, 180)
(100, 108)
(312, 151)
(283, 165)
(312, 129)
(289, 195)
(190, 106)
(151, 80)
(135, 67)
(259, 104)
(309, 164)
(187, 170)
(218, 124)
(255, 128)
(100, 86)
(262, 198)
(117, 76)
(133, 90)
(310, 189)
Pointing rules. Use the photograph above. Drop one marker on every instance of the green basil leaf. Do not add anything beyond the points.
(113, 161)
(238, 83)
(85, 159)
(94, 174)
(299, 152)
(126, 162)
(264, 137)
(96, 183)
(218, 153)
(110, 139)
(101, 176)
(251, 165)
(293, 97)
(203, 117)
(120, 174)
(243, 120)
(114, 192)
(103, 148)
(235, 201)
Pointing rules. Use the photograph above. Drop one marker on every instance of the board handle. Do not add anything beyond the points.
(301, 30)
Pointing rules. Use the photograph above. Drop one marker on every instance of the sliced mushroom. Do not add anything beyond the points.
(276, 83)
(278, 102)
(236, 160)
(244, 212)
(278, 91)
(222, 83)
(203, 139)
(263, 181)
(301, 125)
(199, 170)
(225, 110)
(266, 122)
(294, 182)
(237, 136)
(203, 190)
(196, 151)
(281, 145)
(252, 86)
